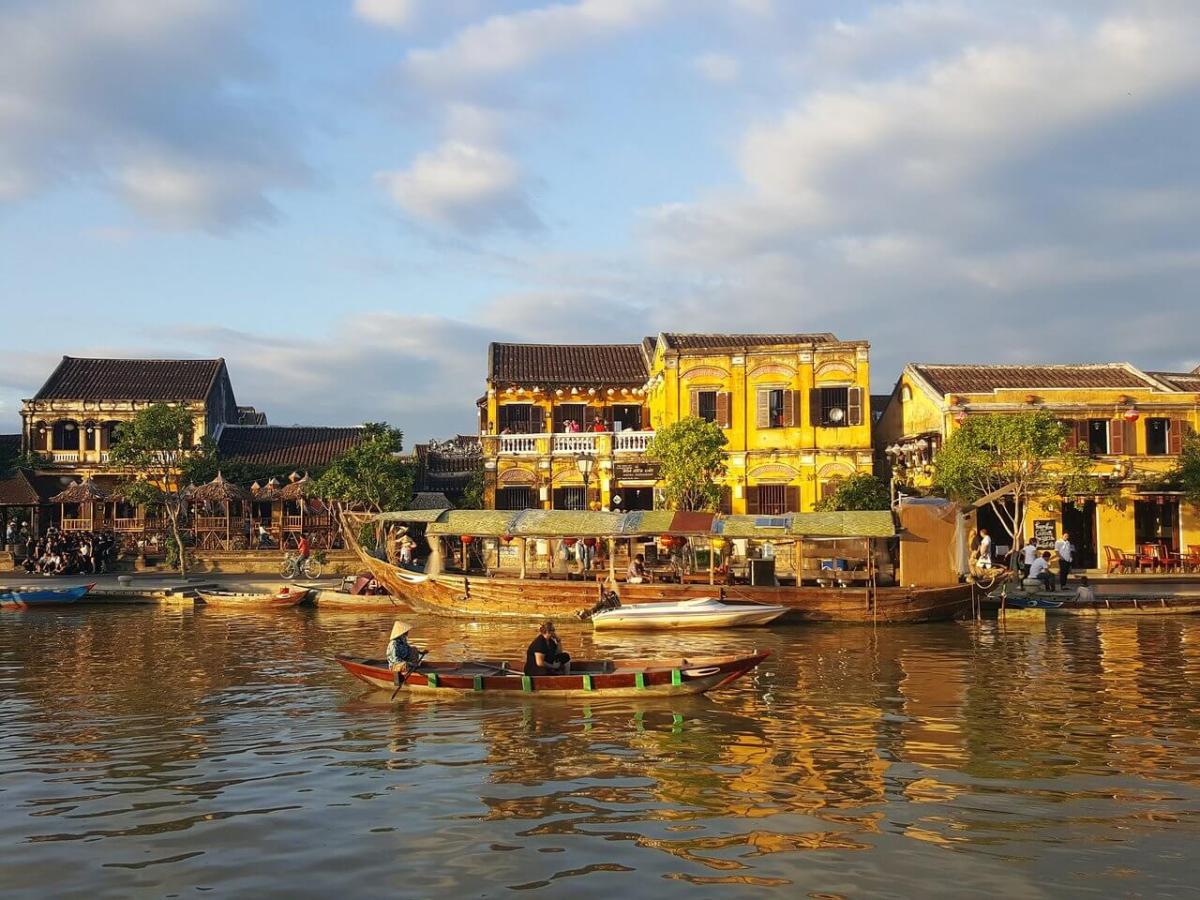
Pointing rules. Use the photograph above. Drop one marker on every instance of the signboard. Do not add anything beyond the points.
(1045, 533)
(640, 471)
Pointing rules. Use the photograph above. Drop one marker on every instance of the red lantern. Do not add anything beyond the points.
(466, 538)
(589, 542)
(507, 538)
(570, 542)
(1132, 415)
(666, 540)
(960, 417)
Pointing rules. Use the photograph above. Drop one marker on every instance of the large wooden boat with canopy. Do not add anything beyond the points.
(824, 567)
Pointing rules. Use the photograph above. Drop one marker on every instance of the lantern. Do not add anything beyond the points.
(558, 393)
(611, 392)
(1132, 415)
(589, 542)
(665, 541)
(507, 538)
(960, 417)
(466, 538)
(574, 391)
(591, 392)
(570, 542)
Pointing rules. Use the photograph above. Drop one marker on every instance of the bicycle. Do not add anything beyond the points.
(292, 566)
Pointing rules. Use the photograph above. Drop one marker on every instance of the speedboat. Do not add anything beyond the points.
(703, 612)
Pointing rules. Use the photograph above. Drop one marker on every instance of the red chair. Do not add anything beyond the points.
(1114, 559)
(1146, 557)
(1191, 559)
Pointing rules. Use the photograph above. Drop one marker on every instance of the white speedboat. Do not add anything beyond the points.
(703, 612)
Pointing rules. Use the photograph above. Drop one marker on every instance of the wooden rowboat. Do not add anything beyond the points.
(1128, 606)
(703, 612)
(588, 678)
(26, 597)
(284, 596)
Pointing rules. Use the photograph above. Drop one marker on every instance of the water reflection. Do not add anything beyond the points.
(175, 749)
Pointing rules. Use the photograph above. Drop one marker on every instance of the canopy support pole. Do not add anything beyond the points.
(524, 552)
(711, 568)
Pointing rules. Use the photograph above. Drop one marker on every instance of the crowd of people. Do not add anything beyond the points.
(69, 552)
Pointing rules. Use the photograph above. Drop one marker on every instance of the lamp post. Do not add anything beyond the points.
(585, 462)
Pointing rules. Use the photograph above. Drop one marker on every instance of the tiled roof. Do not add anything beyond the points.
(303, 446)
(529, 364)
(131, 379)
(742, 341)
(965, 379)
(1183, 381)
(17, 490)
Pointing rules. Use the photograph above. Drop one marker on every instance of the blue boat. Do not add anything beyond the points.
(25, 597)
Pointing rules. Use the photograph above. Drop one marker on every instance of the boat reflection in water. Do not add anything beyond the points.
(172, 750)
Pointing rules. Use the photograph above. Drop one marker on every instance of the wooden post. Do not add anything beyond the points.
(612, 561)
(524, 552)
(711, 567)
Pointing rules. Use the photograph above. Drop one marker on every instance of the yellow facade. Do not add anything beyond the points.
(1138, 420)
(795, 409)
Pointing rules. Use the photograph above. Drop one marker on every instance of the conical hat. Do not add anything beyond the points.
(399, 628)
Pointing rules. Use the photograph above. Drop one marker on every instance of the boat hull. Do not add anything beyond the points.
(341, 600)
(32, 598)
(1130, 606)
(275, 600)
(661, 616)
(624, 678)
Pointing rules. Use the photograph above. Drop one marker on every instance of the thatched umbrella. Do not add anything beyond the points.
(297, 490)
(86, 494)
(224, 492)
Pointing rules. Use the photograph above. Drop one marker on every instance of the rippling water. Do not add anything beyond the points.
(164, 752)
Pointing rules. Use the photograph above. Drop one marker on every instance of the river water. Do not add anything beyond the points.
(166, 752)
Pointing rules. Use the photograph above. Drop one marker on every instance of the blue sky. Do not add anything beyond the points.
(348, 200)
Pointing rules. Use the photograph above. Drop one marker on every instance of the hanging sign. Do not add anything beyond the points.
(1045, 533)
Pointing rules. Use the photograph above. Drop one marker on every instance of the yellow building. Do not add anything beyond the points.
(1131, 422)
(795, 408)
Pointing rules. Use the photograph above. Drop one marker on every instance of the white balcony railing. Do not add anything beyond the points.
(104, 455)
(65, 455)
(581, 442)
(631, 441)
(519, 444)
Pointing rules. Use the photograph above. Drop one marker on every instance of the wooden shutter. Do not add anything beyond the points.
(793, 499)
(752, 500)
(589, 417)
(726, 502)
(645, 418)
(723, 403)
(1081, 434)
(854, 415)
(1175, 437)
(1130, 429)
(1116, 437)
(764, 409)
(694, 400)
(814, 407)
(789, 409)
(537, 420)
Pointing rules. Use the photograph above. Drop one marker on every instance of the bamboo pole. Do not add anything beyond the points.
(711, 568)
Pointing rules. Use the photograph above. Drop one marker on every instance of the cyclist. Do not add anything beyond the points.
(302, 552)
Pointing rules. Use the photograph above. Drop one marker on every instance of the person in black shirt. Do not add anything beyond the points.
(545, 656)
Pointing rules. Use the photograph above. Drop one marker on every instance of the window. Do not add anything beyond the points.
(1158, 436)
(836, 407)
(775, 408)
(1098, 437)
(570, 412)
(772, 499)
(625, 416)
(515, 498)
(568, 498)
(520, 418)
(706, 405)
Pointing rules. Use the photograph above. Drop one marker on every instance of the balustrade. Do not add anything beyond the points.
(631, 441)
(519, 444)
(578, 442)
(65, 455)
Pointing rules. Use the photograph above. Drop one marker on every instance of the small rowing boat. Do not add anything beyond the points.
(703, 612)
(355, 592)
(26, 597)
(588, 678)
(284, 596)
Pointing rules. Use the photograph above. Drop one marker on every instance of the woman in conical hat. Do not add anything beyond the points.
(401, 655)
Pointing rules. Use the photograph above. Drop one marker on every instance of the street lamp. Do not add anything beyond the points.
(585, 462)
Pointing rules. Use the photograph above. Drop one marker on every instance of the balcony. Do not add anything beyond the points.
(631, 441)
(578, 442)
(519, 444)
(65, 456)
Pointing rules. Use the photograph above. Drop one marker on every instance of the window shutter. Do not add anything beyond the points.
(723, 402)
(764, 409)
(789, 409)
(793, 499)
(645, 418)
(1116, 437)
(855, 412)
(694, 399)
(1130, 429)
(814, 407)
(726, 504)
(537, 420)
(1175, 437)
(752, 500)
(1081, 434)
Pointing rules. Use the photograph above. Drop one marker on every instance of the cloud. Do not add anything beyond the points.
(463, 186)
(506, 43)
(717, 67)
(160, 102)
(387, 13)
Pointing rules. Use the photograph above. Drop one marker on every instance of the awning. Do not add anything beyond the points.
(414, 516)
(475, 522)
(665, 521)
(558, 522)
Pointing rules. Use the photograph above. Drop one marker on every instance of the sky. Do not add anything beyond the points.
(348, 199)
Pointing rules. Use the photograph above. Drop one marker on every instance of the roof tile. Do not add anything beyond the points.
(617, 364)
(131, 379)
(283, 445)
(678, 341)
(970, 379)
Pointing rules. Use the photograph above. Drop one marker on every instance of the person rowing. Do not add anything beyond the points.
(545, 655)
(401, 655)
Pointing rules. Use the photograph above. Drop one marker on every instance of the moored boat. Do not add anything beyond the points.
(287, 595)
(1128, 605)
(588, 678)
(703, 612)
(30, 596)
(355, 592)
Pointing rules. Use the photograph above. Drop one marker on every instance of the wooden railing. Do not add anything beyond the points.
(76, 524)
(127, 524)
(217, 523)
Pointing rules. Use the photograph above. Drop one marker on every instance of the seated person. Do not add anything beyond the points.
(636, 573)
(1041, 571)
(1084, 593)
(264, 536)
(401, 655)
(544, 656)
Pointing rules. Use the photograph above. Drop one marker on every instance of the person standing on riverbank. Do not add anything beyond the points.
(1066, 555)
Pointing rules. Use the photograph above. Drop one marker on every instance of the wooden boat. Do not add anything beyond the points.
(588, 678)
(30, 596)
(703, 612)
(353, 593)
(500, 597)
(1128, 605)
(287, 595)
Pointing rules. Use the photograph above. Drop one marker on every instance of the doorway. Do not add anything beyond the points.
(1079, 520)
(1156, 521)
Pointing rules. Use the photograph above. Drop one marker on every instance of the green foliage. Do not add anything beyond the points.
(472, 495)
(172, 556)
(861, 491)
(1187, 472)
(372, 475)
(993, 452)
(16, 459)
(691, 457)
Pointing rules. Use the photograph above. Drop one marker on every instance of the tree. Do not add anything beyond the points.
(158, 451)
(1002, 457)
(691, 457)
(1187, 472)
(472, 494)
(370, 476)
(858, 492)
